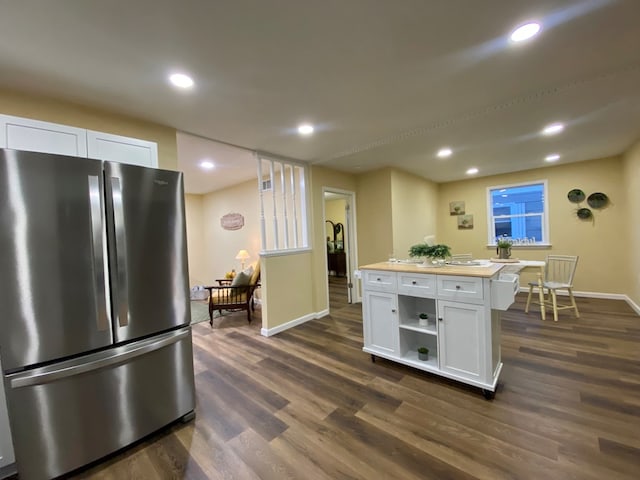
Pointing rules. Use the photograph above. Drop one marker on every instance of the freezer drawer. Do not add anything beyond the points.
(67, 415)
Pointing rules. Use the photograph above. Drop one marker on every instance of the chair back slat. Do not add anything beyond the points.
(560, 269)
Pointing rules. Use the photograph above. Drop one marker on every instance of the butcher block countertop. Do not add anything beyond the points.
(485, 270)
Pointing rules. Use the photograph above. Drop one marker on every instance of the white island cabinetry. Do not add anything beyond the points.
(462, 331)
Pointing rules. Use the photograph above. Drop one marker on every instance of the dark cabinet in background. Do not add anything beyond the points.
(337, 262)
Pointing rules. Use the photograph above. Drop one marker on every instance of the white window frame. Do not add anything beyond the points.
(546, 242)
(296, 193)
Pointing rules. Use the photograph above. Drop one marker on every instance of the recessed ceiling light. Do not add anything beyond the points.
(553, 129)
(525, 32)
(444, 152)
(305, 129)
(207, 165)
(552, 158)
(181, 80)
(472, 171)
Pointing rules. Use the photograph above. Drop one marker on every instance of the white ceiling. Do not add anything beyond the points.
(386, 82)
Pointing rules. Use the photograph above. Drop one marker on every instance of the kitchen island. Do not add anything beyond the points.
(462, 331)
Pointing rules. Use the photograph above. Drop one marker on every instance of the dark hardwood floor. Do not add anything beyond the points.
(309, 404)
(338, 296)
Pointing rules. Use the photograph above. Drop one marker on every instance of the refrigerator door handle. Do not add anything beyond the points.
(122, 356)
(100, 285)
(122, 299)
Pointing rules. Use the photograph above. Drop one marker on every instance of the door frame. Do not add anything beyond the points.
(351, 244)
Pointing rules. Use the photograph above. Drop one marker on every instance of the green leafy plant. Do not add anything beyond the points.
(433, 251)
(423, 350)
(423, 316)
(504, 243)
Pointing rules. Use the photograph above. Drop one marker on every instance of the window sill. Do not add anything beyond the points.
(531, 246)
(280, 253)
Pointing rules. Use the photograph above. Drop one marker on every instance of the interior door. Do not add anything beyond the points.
(348, 246)
(148, 246)
(52, 287)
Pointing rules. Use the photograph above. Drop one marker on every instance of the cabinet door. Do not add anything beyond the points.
(36, 136)
(116, 148)
(380, 323)
(462, 340)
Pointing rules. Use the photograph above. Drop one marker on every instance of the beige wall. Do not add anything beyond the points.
(631, 186)
(414, 202)
(287, 288)
(221, 246)
(334, 211)
(375, 219)
(600, 268)
(66, 113)
(195, 240)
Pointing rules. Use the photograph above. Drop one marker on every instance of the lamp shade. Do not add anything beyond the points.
(242, 255)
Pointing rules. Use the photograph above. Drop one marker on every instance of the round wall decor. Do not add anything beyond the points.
(584, 213)
(597, 200)
(576, 195)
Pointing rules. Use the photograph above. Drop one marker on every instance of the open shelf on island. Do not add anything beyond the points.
(411, 340)
(431, 328)
(409, 309)
(412, 355)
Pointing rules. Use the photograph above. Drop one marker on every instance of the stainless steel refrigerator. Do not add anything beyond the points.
(95, 336)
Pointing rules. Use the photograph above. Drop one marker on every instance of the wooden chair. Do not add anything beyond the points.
(559, 271)
(228, 295)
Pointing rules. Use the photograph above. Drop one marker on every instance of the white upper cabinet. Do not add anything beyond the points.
(36, 136)
(115, 148)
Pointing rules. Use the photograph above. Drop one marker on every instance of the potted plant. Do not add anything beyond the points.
(423, 319)
(503, 248)
(437, 252)
(423, 353)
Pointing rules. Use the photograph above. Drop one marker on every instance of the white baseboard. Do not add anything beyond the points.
(267, 332)
(633, 305)
(608, 296)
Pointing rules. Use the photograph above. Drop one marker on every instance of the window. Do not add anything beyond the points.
(519, 213)
(283, 205)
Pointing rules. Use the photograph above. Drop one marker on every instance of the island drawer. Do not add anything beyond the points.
(379, 280)
(463, 289)
(417, 285)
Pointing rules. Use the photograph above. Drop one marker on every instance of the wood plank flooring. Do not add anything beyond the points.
(309, 404)
(338, 296)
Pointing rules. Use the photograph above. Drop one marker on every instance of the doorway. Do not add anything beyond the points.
(341, 254)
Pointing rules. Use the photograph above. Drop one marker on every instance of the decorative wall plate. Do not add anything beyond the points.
(232, 221)
(597, 200)
(576, 195)
(584, 213)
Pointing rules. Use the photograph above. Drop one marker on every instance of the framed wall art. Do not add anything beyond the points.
(456, 208)
(465, 222)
